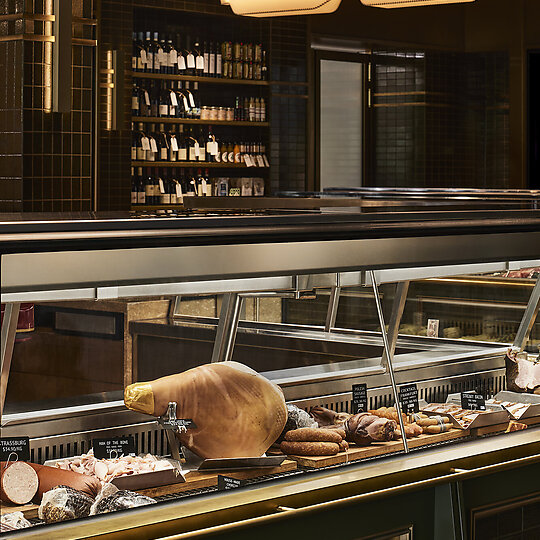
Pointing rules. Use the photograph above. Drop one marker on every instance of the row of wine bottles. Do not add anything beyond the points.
(155, 53)
(163, 187)
(193, 145)
(172, 99)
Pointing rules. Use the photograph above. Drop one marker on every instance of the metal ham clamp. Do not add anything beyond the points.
(172, 425)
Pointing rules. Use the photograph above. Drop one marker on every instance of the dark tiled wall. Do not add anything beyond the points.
(11, 127)
(46, 157)
(441, 119)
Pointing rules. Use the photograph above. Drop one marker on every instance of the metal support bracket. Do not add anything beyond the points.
(171, 427)
(333, 304)
(227, 327)
(398, 306)
(529, 317)
(7, 342)
(390, 357)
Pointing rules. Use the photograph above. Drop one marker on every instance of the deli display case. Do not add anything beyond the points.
(328, 307)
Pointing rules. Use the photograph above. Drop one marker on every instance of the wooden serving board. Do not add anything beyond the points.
(194, 480)
(30, 510)
(377, 449)
(198, 480)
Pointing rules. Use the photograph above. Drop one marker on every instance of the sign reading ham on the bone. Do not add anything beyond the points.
(15, 445)
(186, 423)
(226, 482)
(408, 397)
(113, 447)
(473, 401)
(359, 398)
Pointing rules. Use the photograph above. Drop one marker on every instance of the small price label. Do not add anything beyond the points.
(113, 447)
(473, 401)
(359, 398)
(17, 445)
(408, 397)
(226, 482)
(186, 423)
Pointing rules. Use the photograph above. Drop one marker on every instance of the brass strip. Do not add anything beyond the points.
(88, 42)
(27, 37)
(411, 93)
(107, 71)
(358, 499)
(27, 17)
(82, 20)
(415, 104)
(12, 17)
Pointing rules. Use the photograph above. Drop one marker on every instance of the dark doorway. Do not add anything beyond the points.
(533, 117)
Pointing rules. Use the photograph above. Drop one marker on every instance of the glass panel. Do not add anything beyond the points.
(341, 124)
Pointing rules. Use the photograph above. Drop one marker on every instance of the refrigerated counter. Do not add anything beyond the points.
(440, 490)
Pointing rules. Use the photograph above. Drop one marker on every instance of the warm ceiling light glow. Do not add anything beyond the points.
(277, 8)
(409, 3)
(225, 2)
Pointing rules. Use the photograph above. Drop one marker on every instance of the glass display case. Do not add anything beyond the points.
(92, 306)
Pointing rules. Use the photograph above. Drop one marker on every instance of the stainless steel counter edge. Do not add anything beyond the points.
(306, 489)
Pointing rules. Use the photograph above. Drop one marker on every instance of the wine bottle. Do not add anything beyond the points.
(135, 101)
(172, 63)
(149, 53)
(209, 190)
(190, 58)
(157, 52)
(211, 145)
(195, 100)
(190, 101)
(164, 101)
(163, 56)
(202, 146)
(162, 144)
(200, 184)
(152, 154)
(251, 110)
(264, 74)
(182, 145)
(212, 61)
(191, 190)
(219, 60)
(154, 99)
(142, 144)
(206, 56)
(141, 194)
(180, 58)
(173, 144)
(199, 58)
(133, 187)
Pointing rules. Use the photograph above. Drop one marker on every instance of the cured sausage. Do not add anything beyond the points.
(314, 435)
(50, 477)
(18, 482)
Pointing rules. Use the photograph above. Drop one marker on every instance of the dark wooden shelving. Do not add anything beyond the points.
(192, 164)
(159, 120)
(195, 78)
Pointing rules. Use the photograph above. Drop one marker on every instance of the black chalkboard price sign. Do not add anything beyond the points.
(408, 397)
(359, 398)
(473, 401)
(15, 445)
(227, 482)
(113, 447)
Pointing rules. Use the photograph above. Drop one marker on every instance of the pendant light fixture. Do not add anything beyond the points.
(409, 3)
(277, 8)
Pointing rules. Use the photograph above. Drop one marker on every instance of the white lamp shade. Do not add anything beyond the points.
(277, 8)
(409, 3)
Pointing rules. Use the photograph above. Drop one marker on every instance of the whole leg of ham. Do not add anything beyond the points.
(236, 411)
